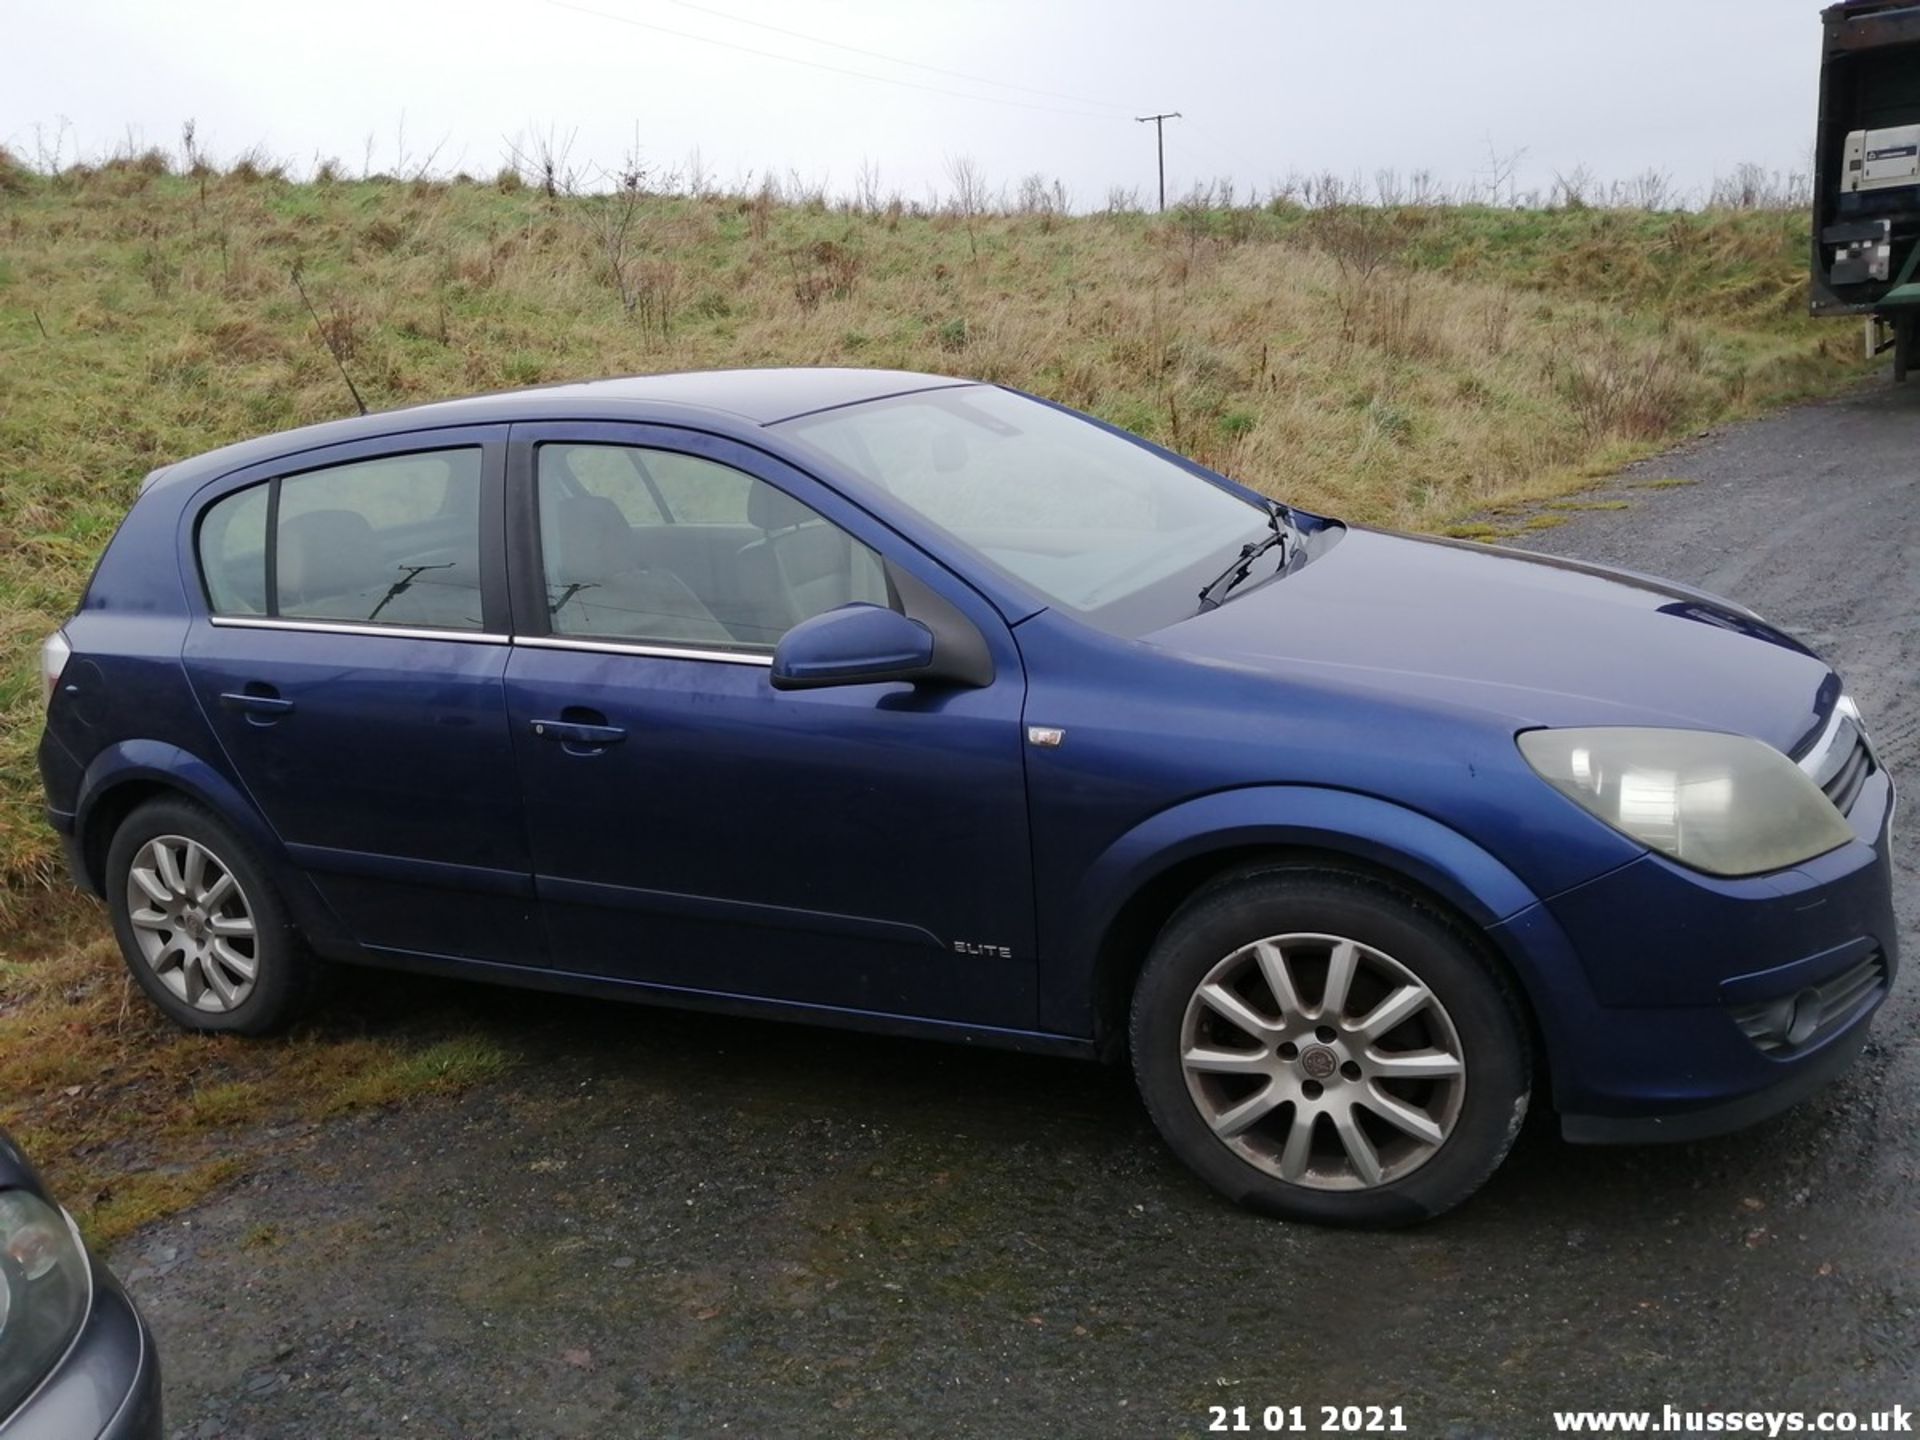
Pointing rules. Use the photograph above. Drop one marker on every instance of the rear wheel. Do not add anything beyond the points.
(1903, 332)
(200, 925)
(1318, 1045)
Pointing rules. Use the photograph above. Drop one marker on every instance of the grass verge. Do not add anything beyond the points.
(133, 1119)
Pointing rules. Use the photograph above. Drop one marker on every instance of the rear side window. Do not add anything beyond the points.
(394, 541)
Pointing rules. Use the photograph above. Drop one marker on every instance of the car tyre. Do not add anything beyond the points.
(1435, 1099)
(194, 913)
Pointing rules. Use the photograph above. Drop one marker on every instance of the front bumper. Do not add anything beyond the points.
(1646, 982)
(108, 1385)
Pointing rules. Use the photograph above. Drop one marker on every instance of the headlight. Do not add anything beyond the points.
(45, 1289)
(1720, 803)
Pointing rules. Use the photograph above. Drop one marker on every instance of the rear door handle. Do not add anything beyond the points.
(250, 703)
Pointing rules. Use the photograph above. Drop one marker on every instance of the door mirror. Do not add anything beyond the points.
(854, 645)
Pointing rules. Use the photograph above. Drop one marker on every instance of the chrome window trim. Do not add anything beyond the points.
(480, 637)
(658, 652)
(349, 627)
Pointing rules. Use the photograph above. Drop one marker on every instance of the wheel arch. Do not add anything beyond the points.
(127, 775)
(1146, 876)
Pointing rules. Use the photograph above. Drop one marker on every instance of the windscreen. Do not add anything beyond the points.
(1082, 515)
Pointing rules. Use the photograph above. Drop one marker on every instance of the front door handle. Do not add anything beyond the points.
(578, 736)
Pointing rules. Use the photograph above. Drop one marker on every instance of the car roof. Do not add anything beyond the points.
(751, 397)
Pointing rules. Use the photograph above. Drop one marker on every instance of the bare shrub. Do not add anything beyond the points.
(823, 270)
(1362, 243)
(1577, 189)
(699, 177)
(1639, 394)
(866, 188)
(1499, 179)
(1650, 190)
(14, 176)
(1424, 190)
(255, 165)
(971, 198)
(543, 161)
(1042, 197)
(760, 209)
(611, 218)
(1754, 187)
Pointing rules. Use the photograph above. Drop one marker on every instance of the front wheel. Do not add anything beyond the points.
(1320, 1046)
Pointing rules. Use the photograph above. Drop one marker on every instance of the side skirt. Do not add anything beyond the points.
(526, 977)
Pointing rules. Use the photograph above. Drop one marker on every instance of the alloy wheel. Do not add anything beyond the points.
(193, 923)
(1323, 1061)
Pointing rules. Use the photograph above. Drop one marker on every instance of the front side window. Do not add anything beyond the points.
(655, 547)
(393, 541)
(1086, 517)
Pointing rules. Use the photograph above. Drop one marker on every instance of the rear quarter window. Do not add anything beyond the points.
(233, 553)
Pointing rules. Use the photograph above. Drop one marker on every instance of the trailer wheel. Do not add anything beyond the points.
(1903, 327)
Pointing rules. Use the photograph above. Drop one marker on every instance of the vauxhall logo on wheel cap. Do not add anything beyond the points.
(1319, 1062)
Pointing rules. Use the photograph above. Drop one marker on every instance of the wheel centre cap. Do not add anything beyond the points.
(1319, 1062)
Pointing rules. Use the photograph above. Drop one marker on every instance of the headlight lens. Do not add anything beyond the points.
(45, 1288)
(1724, 804)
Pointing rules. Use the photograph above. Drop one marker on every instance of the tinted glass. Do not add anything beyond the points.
(394, 541)
(1084, 516)
(233, 553)
(656, 547)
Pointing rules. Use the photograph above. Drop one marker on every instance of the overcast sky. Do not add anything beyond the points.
(1689, 87)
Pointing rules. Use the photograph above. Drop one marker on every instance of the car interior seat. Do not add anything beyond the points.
(596, 585)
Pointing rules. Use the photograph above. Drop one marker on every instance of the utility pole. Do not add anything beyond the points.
(1159, 123)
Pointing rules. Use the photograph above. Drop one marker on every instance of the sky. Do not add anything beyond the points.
(823, 88)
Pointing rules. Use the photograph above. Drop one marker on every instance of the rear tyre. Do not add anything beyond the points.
(201, 927)
(1320, 1046)
(1903, 331)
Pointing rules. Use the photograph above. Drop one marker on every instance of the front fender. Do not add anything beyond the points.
(1372, 831)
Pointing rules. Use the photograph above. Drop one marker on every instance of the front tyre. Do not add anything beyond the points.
(1320, 1046)
(200, 926)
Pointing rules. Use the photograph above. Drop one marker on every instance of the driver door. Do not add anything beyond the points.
(697, 831)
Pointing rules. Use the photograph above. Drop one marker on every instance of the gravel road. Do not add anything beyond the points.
(668, 1225)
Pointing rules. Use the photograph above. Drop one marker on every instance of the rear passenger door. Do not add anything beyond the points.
(696, 830)
(350, 661)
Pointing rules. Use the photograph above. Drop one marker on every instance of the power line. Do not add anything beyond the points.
(893, 59)
(817, 64)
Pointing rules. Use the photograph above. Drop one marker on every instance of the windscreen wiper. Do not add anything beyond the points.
(1285, 531)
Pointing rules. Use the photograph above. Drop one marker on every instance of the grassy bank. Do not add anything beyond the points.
(1411, 367)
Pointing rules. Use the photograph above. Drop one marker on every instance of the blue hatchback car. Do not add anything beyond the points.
(904, 703)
